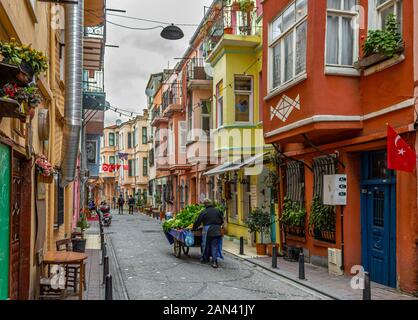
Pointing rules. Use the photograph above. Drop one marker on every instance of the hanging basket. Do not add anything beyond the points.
(45, 179)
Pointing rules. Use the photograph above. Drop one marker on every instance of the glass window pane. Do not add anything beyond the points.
(243, 84)
(332, 40)
(347, 42)
(288, 17)
(288, 53)
(301, 48)
(301, 9)
(334, 4)
(277, 65)
(349, 4)
(385, 14)
(277, 28)
(399, 14)
(242, 107)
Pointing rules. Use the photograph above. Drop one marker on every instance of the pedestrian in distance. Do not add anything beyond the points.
(131, 203)
(121, 203)
(212, 220)
(114, 202)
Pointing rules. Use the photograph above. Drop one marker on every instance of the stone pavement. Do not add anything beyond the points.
(317, 278)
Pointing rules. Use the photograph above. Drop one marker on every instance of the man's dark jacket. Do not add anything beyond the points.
(211, 216)
(131, 201)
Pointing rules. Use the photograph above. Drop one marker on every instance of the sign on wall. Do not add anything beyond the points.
(335, 190)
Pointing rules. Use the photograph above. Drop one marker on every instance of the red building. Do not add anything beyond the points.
(325, 117)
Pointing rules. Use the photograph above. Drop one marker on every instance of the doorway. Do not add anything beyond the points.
(378, 210)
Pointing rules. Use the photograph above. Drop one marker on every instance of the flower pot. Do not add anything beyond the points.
(79, 245)
(373, 59)
(228, 30)
(261, 249)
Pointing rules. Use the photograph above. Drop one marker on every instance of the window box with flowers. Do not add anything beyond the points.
(44, 169)
(382, 45)
(17, 102)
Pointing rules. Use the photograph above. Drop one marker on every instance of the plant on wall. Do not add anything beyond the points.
(387, 41)
(293, 214)
(322, 217)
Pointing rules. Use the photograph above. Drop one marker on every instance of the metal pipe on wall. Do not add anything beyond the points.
(73, 93)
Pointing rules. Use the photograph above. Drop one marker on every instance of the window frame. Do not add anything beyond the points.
(144, 136)
(109, 144)
(219, 105)
(251, 99)
(385, 5)
(341, 13)
(145, 167)
(279, 40)
(208, 116)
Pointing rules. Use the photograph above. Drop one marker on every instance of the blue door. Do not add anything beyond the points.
(378, 205)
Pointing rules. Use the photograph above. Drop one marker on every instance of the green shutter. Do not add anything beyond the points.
(4, 220)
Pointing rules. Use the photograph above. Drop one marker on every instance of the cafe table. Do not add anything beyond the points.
(67, 258)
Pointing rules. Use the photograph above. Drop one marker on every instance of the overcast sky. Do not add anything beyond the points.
(141, 53)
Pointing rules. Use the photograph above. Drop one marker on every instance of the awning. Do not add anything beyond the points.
(234, 166)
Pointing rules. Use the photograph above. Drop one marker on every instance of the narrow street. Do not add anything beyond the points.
(149, 269)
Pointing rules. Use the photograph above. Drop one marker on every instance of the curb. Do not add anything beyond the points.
(285, 276)
(117, 267)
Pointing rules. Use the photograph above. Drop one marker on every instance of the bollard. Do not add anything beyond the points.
(241, 246)
(105, 268)
(274, 257)
(301, 266)
(109, 288)
(101, 237)
(104, 252)
(367, 294)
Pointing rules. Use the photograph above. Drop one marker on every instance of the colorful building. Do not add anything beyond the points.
(326, 117)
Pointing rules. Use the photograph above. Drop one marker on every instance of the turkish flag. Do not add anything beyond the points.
(105, 167)
(400, 155)
(125, 167)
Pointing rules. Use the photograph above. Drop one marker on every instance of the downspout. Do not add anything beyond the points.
(73, 93)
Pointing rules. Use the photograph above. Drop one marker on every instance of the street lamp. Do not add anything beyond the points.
(172, 32)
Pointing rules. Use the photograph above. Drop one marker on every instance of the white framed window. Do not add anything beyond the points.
(341, 37)
(206, 118)
(243, 93)
(219, 104)
(287, 45)
(386, 7)
(183, 136)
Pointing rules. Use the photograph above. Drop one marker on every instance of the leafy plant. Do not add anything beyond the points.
(82, 222)
(387, 41)
(259, 220)
(184, 219)
(17, 54)
(322, 217)
(293, 214)
(246, 5)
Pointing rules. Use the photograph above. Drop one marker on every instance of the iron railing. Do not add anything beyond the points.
(196, 70)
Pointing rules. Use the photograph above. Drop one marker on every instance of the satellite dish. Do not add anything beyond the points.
(208, 69)
(118, 122)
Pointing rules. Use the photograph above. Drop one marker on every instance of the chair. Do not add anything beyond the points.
(71, 271)
(46, 289)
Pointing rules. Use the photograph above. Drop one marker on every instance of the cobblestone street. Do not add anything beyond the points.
(149, 270)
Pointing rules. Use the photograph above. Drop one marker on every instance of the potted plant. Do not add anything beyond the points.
(293, 218)
(381, 45)
(79, 244)
(246, 5)
(44, 169)
(258, 222)
(30, 61)
(322, 220)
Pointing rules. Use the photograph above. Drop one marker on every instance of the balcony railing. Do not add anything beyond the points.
(94, 97)
(233, 22)
(196, 70)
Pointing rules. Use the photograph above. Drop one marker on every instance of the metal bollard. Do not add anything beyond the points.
(104, 252)
(105, 268)
(101, 237)
(301, 266)
(109, 288)
(367, 292)
(274, 257)
(241, 246)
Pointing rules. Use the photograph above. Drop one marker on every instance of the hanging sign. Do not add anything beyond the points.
(114, 167)
(335, 190)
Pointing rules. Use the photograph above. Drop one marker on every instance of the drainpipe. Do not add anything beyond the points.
(73, 93)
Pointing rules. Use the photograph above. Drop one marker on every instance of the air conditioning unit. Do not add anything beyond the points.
(335, 262)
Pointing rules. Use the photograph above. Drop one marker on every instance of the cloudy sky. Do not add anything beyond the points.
(142, 53)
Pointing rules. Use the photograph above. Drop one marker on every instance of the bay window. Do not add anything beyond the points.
(243, 98)
(342, 36)
(288, 44)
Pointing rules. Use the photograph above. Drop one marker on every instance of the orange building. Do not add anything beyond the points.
(326, 117)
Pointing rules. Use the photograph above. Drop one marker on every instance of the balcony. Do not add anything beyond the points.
(94, 97)
(232, 27)
(157, 116)
(94, 47)
(171, 103)
(197, 78)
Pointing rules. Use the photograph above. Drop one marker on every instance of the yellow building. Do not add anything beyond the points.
(234, 51)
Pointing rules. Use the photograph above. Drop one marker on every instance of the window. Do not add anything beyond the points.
(131, 168)
(387, 7)
(129, 140)
(151, 157)
(121, 144)
(341, 48)
(183, 136)
(219, 104)
(145, 167)
(135, 140)
(288, 44)
(206, 118)
(111, 139)
(144, 135)
(117, 138)
(112, 160)
(190, 117)
(243, 99)
(246, 197)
